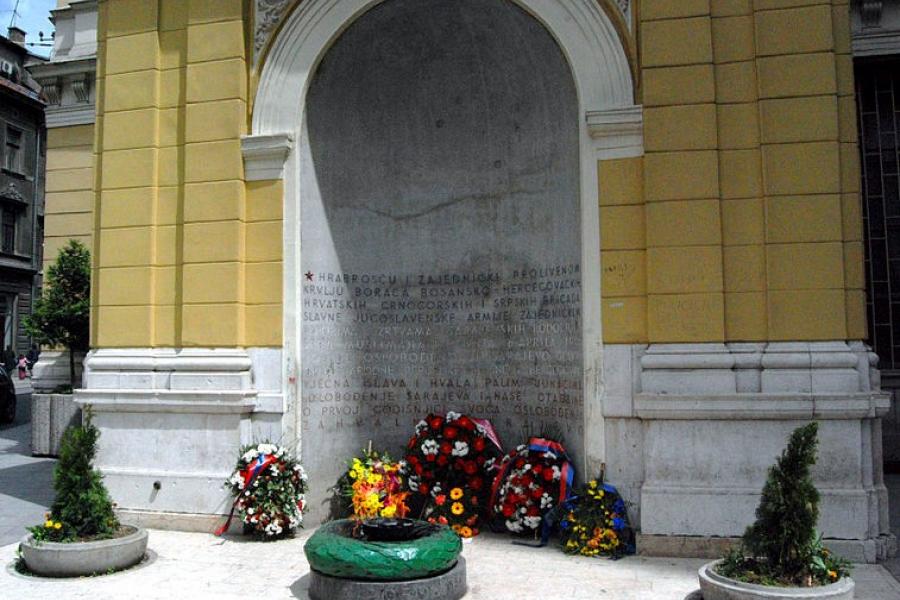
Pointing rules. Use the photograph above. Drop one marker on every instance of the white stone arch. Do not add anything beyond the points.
(609, 127)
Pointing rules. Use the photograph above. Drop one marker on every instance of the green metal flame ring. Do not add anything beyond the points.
(331, 550)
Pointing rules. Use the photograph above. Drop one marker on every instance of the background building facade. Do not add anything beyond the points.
(68, 86)
(21, 191)
(717, 232)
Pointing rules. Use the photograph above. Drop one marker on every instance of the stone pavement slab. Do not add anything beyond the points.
(25, 481)
(199, 566)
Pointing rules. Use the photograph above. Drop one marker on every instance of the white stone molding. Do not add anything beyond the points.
(11, 192)
(870, 12)
(264, 155)
(762, 406)
(618, 132)
(52, 370)
(50, 86)
(70, 91)
(268, 14)
(773, 368)
(76, 30)
(603, 79)
(875, 27)
(581, 27)
(170, 416)
(67, 79)
(625, 7)
(693, 437)
(81, 87)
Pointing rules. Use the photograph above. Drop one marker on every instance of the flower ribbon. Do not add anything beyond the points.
(568, 471)
(490, 432)
(535, 444)
(249, 475)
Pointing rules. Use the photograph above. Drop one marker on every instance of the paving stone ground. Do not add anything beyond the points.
(25, 481)
(200, 566)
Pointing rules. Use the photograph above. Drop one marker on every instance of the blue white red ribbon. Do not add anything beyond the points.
(248, 475)
(568, 471)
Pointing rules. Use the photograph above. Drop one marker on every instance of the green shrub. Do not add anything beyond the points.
(61, 315)
(82, 505)
(782, 546)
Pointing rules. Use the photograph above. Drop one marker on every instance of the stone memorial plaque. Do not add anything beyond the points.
(440, 236)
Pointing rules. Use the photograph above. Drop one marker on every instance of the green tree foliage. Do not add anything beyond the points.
(61, 316)
(82, 503)
(785, 527)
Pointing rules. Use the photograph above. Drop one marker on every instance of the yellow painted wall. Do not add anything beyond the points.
(187, 254)
(69, 199)
(750, 182)
(740, 222)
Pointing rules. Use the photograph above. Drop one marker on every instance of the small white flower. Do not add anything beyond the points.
(557, 473)
(546, 501)
(430, 447)
(452, 416)
(532, 522)
(460, 449)
(421, 426)
(514, 526)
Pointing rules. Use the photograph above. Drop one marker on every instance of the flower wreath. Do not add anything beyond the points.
(532, 479)
(595, 522)
(269, 487)
(452, 448)
(374, 486)
(456, 506)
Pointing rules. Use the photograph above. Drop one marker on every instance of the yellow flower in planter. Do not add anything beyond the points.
(456, 493)
(457, 508)
(57, 525)
(48, 524)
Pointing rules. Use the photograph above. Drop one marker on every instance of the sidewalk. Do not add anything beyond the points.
(25, 482)
(200, 566)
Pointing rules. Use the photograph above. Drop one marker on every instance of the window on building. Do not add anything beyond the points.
(8, 231)
(878, 97)
(8, 320)
(14, 156)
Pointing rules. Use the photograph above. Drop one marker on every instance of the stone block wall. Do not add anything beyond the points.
(187, 253)
(742, 220)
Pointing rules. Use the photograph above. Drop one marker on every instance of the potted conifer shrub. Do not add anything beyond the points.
(781, 556)
(60, 319)
(81, 535)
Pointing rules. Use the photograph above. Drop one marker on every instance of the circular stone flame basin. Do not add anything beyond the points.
(385, 558)
(394, 530)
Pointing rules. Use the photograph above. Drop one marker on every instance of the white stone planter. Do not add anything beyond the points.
(76, 559)
(718, 587)
(51, 415)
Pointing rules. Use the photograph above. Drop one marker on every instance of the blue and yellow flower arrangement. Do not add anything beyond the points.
(595, 523)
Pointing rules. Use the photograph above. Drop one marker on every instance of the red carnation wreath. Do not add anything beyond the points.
(532, 479)
(451, 450)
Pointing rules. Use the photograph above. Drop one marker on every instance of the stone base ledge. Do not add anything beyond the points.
(686, 546)
(763, 406)
(173, 521)
(237, 402)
